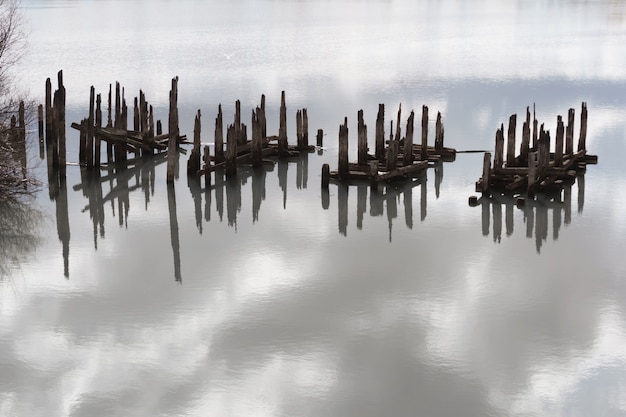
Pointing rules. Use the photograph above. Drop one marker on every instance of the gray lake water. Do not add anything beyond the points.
(265, 297)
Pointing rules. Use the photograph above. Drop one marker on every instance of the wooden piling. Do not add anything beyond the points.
(97, 141)
(305, 129)
(392, 155)
(342, 166)
(424, 150)
(361, 139)
(498, 158)
(398, 121)
(534, 128)
(320, 137)
(193, 163)
(486, 172)
(299, 136)
(282, 129)
(257, 139)
(380, 133)
(532, 173)
(408, 140)
(237, 123)
(82, 149)
(231, 151)
(582, 139)
(60, 124)
(439, 132)
(48, 112)
(219, 137)
(525, 146)
(40, 122)
(207, 167)
(569, 133)
(172, 148)
(90, 129)
(510, 144)
(325, 176)
(558, 144)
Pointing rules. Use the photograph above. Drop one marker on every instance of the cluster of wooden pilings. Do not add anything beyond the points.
(241, 151)
(397, 158)
(536, 168)
(17, 140)
(142, 140)
(54, 128)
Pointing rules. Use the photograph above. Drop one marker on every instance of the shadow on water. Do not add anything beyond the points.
(536, 213)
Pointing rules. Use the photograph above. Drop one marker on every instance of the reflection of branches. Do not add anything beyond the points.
(18, 237)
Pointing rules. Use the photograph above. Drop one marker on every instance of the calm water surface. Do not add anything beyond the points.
(266, 297)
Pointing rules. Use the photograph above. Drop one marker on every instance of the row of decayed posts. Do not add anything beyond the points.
(399, 156)
(240, 150)
(535, 167)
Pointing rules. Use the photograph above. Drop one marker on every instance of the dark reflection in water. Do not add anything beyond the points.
(384, 196)
(19, 237)
(171, 204)
(536, 213)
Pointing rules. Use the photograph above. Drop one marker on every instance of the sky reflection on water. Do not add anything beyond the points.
(267, 297)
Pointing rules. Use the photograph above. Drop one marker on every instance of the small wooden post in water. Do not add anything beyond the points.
(325, 176)
(424, 150)
(532, 173)
(498, 157)
(98, 127)
(219, 137)
(172, 147)
(342, 168)
(582, 139)
(510, 144)
(380, 133)
(60, 112)
(282, 129)
(320, 137)
(207, 166)
(569, 133)
(231, 151)
(193, 164)
(257, 140)
(525, 146)
(439, 131)
(90, 128)
(408, 140)
(558, 144)
(486, 173)
(361, 139)
(534, 128)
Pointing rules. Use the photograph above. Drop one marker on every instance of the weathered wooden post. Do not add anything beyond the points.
(282, 129)
(510, 144)
(439, 132)
(398, 127)
(49, 134)
(392, 154)
(262, 119)
(320, 137)
(424, 150)
(374, 174)
(237, 123)
(299, 129)
(172, 147)
(219, 137)
(569, 133)
(40, 123)
(582, 138)
(558, 144)
(525, 146)
(257, 140)
(90, 128)
(532, 173)
(325, 176)
(193, 163)
(305, 128)
(136, 126)
(361, 139)
(60, 112)
(499, 155)
(380, 133)
(408, 140)
(231, 151)
(543, 157)
(97, 141)
(343, 169)
(535, 123)
(207, 167)
(486, 173)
